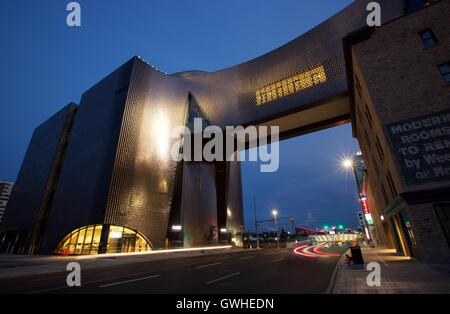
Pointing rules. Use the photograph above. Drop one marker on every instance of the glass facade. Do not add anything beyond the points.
(86, 240)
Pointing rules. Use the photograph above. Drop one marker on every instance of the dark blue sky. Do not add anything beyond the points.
(45, 65)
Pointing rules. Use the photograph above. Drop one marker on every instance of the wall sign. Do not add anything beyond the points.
(422, 147)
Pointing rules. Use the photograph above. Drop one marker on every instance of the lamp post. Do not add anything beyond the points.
(275, 213)
(256, 225)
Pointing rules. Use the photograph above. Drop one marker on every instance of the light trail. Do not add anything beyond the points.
(304, 250)
(317, 251)
(301, 251)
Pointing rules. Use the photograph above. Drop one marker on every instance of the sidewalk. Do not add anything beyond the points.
(399, 275)
(12, 266)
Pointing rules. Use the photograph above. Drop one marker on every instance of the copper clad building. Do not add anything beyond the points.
(99, 177)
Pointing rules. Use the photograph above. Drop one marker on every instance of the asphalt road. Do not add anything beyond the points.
(262, 271)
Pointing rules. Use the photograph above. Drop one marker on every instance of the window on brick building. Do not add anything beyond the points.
(375, 166)
(445, 71)
(391, 185)
(379, 148)
(428, 38)
(366, 136)
(443, 213)
(368, 115)
(358, 88)
(385, 197)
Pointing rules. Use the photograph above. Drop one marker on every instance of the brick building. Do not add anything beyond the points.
(399, 80)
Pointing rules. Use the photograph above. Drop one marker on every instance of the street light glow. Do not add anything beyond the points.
(347, 163)
(275, 212)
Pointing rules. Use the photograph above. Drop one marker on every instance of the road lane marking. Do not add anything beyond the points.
(208, 265)
(91, 282)
(270, 253)
(221, 278)
(247, 257)
(128, 281)
(277, 260)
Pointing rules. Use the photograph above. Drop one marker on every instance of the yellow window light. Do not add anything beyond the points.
(291, 85)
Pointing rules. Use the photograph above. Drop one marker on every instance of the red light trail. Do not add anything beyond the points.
(317, 251)
(303, 250)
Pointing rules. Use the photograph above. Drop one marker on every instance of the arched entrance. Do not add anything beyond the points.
(87, 241)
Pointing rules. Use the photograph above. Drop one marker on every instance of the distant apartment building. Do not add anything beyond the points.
(364, 216)
(361, 221)
(5, 193)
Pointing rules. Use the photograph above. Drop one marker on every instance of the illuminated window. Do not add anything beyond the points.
(86, 240)
(291, 85)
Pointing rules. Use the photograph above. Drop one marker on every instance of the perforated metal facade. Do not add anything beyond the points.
(118, 170)
(31, 198)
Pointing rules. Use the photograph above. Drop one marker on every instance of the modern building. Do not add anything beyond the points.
(99, 177)
(5, 193)
(33, 193)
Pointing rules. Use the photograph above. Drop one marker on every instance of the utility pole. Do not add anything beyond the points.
(275, 213)
(256, 224)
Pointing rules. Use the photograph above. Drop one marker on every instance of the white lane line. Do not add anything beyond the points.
(247, 257)
(277, 260)
(221, 278)
(127, 281)
(209, 265)
(270, 253)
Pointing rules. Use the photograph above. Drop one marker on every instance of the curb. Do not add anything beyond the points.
(335, 275)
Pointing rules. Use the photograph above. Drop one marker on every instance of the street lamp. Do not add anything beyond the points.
(275, 213)
(347, 163)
